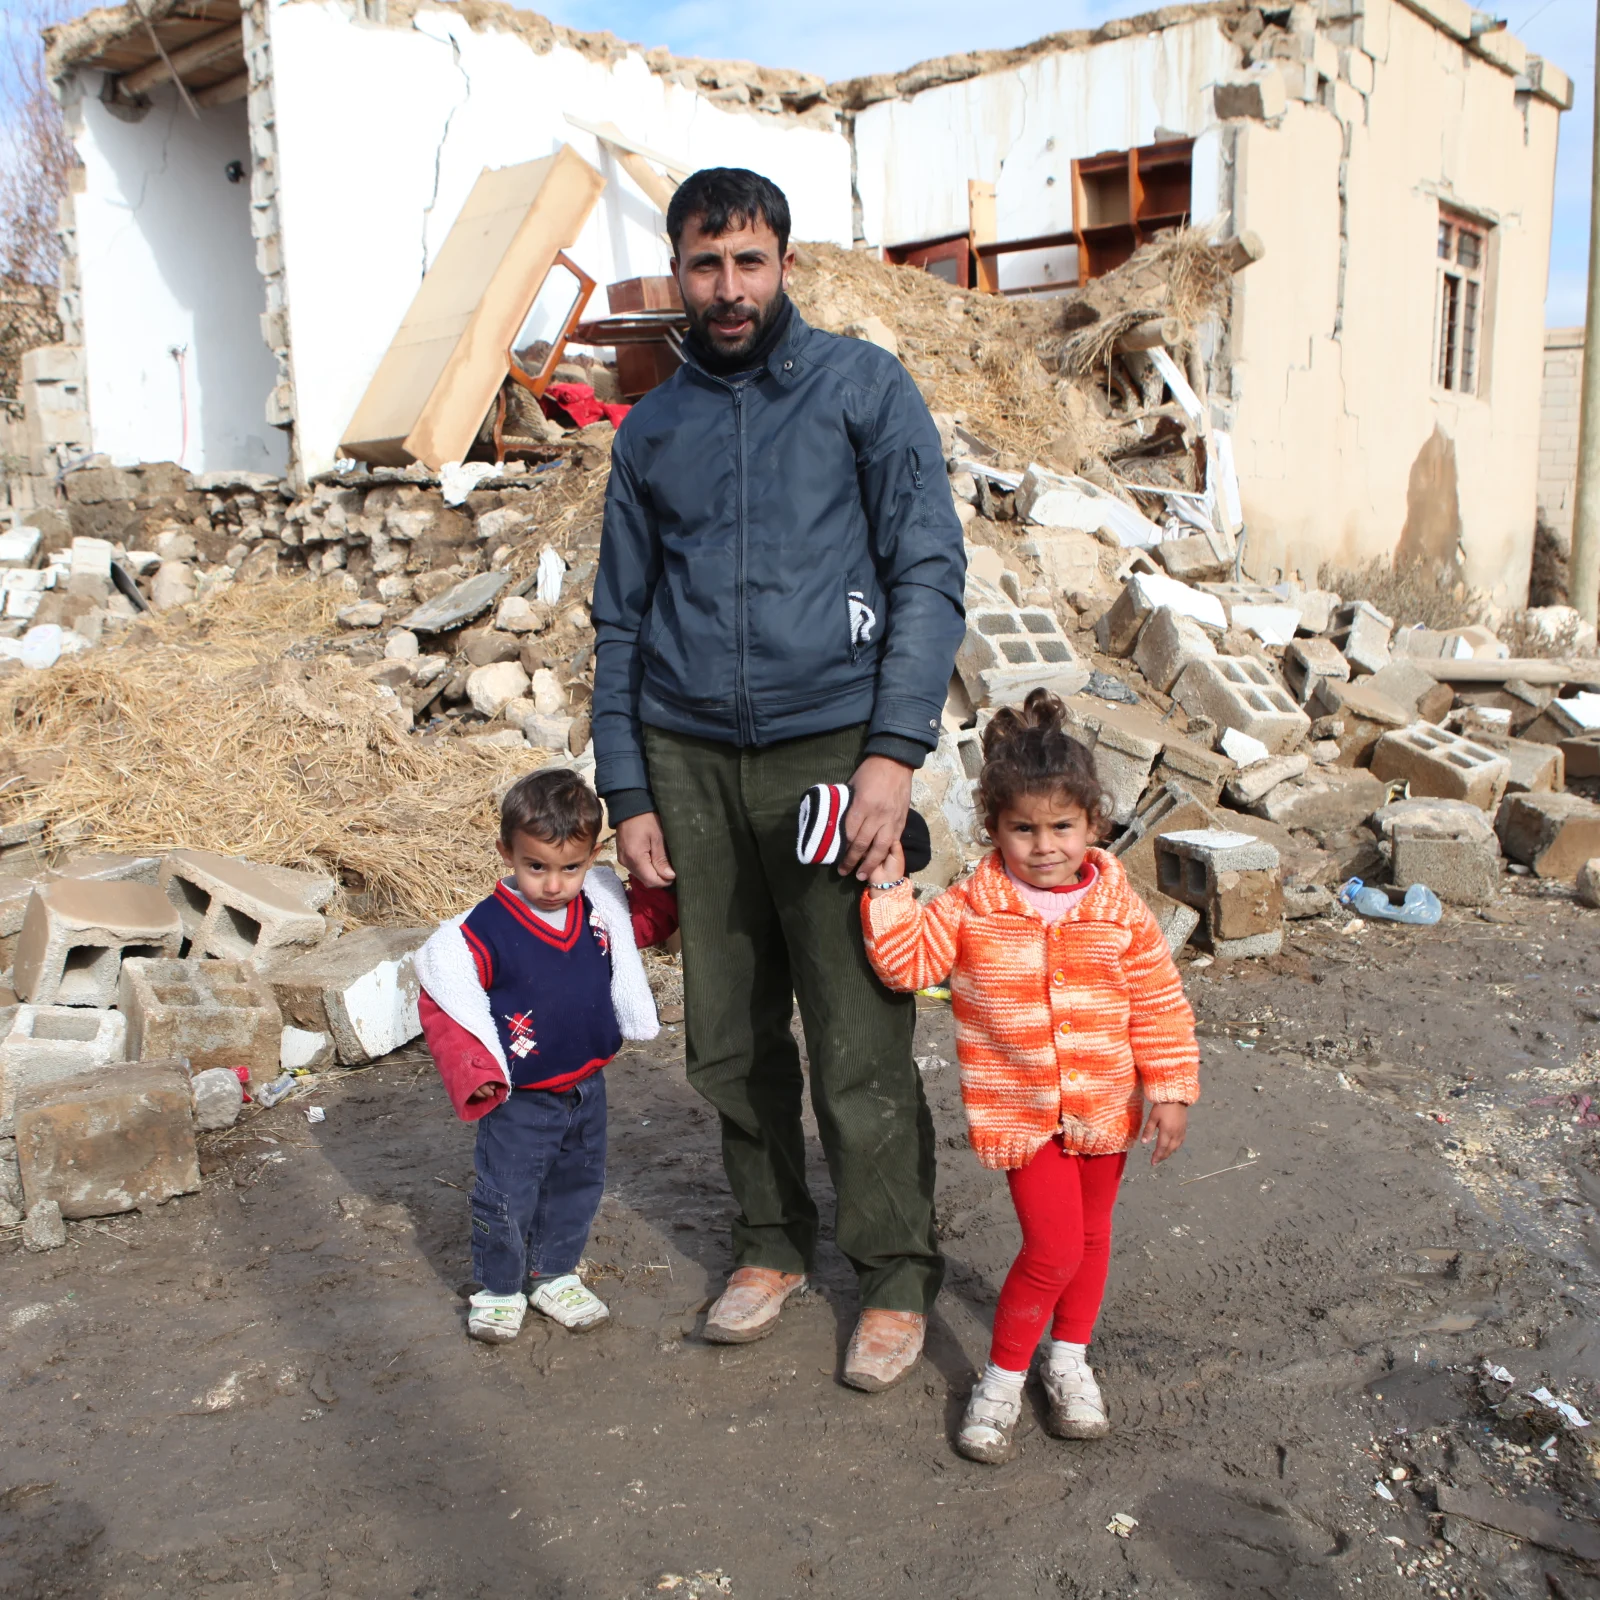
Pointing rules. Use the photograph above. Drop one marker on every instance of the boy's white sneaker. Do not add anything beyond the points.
(496, 1318)
(565, 1300)
(1077, 1408)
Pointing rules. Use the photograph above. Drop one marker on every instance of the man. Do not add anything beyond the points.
(779, 604)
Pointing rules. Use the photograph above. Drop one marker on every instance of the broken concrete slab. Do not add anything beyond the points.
(1142, 596)
(241, 910)
(112, 1142)
(1050, 500)
(1361, 632)
(1414, 687)
(1167, 643)
(1434, 762)
(1535, 768)
(46, 1044)
(1316, 606)
(1328, 801)
(1580, 758)
(1255, 783)
(1571, 718)
(1366, 715)
(111, 869)
(1069, 562)
(212, 1013)
(457, 606)
(1200, 770)
(1192, 559)
(302, 1051)
(1169, 809)
(1555, 834)
(361, 991)
(75, 935)
(1238, 692)
(1257, 610)
(1434, 819)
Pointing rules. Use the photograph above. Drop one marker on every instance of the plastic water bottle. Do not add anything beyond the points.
(1420, 907)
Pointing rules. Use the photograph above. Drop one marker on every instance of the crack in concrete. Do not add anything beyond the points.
(444, 135)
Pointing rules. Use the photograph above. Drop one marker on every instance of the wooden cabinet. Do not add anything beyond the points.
(1124, 197)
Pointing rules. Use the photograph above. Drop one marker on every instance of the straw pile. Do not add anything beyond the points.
(203, 731)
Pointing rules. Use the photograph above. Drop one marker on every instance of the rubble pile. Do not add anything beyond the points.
(149, 996)
(449, 613)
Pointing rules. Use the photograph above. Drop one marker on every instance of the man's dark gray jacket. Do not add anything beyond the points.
(780, 557)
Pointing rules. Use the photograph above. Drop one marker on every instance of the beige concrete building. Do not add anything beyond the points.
(1558, 431)
(240, 254)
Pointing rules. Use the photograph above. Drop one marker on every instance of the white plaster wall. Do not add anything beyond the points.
(165, 259)
(381, 133)
(1330, 431)
(1021, 130)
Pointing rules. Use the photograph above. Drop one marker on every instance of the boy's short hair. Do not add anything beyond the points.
(554, 804)
(724, 198)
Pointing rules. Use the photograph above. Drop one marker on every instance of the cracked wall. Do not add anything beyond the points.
(164, 261)
(1386, 115)
(382, 128)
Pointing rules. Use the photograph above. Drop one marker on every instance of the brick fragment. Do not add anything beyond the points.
(1555, 834)
(75, 935)
(1434, 762)
(116, 1141)
(213, 1013)
(241, 911)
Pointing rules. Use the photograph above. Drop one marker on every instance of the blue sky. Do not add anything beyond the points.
(845, 38)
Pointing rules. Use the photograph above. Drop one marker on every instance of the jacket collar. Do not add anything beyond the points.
(785, 361)
(992, 891)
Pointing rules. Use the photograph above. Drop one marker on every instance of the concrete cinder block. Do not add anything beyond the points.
(240, 911)
(1428, 644)
(1257, 610)
(213, 1013)
(117, 1141)
(15, 893)
(1362, 633)
(1308, 662)
(1169, 809)
(1240, 692)
(46, 1044)
(1434, 762)
(1535, 768)
(75, 936)
(1010, 650)
(1199, 770)
(1124, 741)
(1192, 560)
(361, 991)
(1555, 834)
(1462, 872)
(1235, 879)
(1580, 758)
(1167, 643)
(1142, 596)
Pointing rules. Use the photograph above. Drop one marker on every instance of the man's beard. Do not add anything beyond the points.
(724, 353)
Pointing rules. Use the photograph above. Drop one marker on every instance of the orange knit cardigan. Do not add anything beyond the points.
(1063, 1028)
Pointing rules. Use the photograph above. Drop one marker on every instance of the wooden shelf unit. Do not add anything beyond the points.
(1122, 198)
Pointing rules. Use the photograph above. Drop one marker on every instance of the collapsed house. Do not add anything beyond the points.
(263, 189)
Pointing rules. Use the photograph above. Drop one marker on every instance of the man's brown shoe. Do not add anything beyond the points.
(884, 1348)
(748, 1309)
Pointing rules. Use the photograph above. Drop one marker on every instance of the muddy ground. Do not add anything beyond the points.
(265, 1389)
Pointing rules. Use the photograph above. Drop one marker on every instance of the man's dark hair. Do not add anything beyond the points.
(720, 198)
(554, 804)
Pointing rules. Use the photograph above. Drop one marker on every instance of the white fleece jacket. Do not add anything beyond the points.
(445, 968)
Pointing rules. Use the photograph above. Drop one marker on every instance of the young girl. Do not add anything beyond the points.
(1069, 1016)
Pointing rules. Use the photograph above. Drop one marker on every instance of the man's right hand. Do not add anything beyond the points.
(642, 849)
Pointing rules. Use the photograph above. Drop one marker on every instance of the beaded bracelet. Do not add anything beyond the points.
(895, 885)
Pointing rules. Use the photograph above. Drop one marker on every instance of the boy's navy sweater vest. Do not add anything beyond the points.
(549, 990)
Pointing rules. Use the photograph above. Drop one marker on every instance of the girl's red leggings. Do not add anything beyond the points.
(1064, 1204)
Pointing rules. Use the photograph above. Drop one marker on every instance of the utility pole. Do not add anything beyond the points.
(1583, 585)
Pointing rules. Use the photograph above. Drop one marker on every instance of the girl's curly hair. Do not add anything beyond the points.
(1030, 752)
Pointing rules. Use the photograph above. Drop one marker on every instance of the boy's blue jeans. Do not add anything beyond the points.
(541, 1163)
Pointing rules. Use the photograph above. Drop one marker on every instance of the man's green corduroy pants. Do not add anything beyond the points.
(761, 931)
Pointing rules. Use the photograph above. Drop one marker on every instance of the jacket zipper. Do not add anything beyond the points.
(745, 716)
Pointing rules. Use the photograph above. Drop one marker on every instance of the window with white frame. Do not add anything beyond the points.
(1463, 252)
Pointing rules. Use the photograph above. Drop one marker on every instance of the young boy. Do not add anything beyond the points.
(524, 1000)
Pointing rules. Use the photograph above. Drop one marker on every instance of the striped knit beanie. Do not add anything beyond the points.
(821, 837)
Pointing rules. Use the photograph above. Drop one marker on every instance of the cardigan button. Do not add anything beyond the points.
(1059, 980)
(1066, 1027)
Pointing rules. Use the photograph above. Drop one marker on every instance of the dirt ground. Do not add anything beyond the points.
(266, 1389)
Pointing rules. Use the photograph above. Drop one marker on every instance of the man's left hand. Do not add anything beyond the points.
(880, 798)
